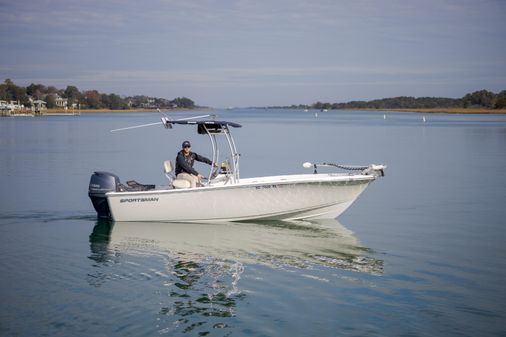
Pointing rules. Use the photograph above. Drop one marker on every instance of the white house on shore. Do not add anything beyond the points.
(61, 102)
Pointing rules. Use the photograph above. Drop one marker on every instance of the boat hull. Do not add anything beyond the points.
(320, 196)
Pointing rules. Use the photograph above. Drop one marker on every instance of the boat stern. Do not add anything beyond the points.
(100, 184)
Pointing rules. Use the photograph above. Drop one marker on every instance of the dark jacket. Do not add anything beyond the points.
(185, 164)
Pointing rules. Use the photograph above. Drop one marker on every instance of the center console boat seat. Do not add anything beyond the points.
(176, 183)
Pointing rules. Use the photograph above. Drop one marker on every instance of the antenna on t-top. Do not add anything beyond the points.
(166, 121)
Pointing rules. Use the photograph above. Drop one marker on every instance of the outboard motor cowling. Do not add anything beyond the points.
(100, 184)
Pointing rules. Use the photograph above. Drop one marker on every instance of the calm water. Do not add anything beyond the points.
(421, 253)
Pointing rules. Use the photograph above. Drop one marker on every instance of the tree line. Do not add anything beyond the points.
(478, 99)
(483, 99)
(89, 99)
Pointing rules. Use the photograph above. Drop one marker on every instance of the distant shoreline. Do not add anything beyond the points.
(462, 111)
(62, 111)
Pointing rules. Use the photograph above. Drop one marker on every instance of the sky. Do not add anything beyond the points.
(257, 52)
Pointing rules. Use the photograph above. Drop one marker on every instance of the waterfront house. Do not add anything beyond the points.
(61, 102)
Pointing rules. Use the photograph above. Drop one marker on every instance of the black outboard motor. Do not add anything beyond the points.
(100, 184)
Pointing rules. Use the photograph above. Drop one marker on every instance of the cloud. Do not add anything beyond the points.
(249, 77)
(243, 44)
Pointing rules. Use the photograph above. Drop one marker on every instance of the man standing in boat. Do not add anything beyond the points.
(184, 164)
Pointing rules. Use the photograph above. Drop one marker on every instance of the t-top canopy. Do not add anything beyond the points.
(205, 122)
(203, 126)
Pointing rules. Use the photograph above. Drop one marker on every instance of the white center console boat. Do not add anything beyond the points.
(227, 197)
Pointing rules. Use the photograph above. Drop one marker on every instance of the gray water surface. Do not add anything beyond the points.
(421, 253)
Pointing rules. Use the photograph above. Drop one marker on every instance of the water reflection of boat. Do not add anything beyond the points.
(193, 293)
(274, 243)
(194, 270)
